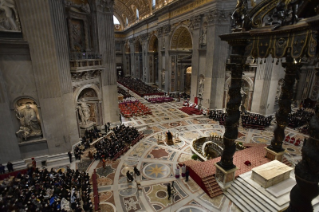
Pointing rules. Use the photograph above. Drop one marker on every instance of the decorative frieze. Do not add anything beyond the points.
(86, 75)
(217, 16)
(196, 21)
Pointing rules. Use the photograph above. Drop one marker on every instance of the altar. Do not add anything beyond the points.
(271, 173)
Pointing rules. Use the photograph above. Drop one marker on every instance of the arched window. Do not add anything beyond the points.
(154, 4)
(115, 20)
(137, 14)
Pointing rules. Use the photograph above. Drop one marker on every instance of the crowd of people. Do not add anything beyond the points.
(217, 115)
(46, 191)
(138, 86)
(256, 121)
(300, 117)
(87, 139)
(129, 109)
(125, 93)
(112, 144)
(158, 98)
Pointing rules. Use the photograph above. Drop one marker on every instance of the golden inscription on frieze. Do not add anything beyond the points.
(183, 9)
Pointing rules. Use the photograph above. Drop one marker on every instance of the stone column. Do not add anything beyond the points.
(166, 31)
(285, 100)
(268, 74)
(106, 42)
(146, 74)
(9, 148)
(236, 66)
(132, 49)
(306, 171)
(216, 55)
(44, 27)
(196, 23)
(160, 56)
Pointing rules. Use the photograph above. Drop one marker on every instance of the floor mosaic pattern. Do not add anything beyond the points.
(156, 163)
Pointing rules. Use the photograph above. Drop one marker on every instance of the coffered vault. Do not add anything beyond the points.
(127, 9)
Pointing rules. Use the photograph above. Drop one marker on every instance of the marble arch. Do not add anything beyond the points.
(247, 79)
(181, 38)
(151, 43)
(78, 91)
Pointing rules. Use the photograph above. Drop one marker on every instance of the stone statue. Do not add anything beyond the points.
(201, 85)
(240, 15)
(202, 38)
(29, 123)
(9, 20)
(84, 113)
(243, 100)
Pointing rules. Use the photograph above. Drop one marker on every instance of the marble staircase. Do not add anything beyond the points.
(212, 186)
(247, 198)
(250, 199)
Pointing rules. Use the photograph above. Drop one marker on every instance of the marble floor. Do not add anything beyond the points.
(156, 163)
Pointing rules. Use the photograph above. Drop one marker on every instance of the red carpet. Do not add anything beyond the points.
(203, 173)
(191, 110)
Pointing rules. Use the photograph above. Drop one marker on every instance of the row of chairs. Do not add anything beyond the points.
(292, 140)
(137, 139)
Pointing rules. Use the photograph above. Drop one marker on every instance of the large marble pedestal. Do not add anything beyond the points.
(271, 173)
(225, 178)
(272, 155)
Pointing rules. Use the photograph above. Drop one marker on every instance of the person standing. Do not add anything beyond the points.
(187, 174)
(70, 156)
(104, 163)
(183, 170)
(10, 167)
(169, 190)
(34, 164)
(2, 171)
(177, 172)
(106, 128)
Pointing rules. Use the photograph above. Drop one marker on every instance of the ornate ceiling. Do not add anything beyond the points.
(127, 9)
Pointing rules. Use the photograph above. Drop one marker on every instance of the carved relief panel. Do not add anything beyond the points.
(9, 19)
(29, 120)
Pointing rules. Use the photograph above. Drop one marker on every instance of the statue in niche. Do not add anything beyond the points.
(29, 123)
(243, 100)
(9, 20)
(84, 114)
(201, 85)
(202, 38)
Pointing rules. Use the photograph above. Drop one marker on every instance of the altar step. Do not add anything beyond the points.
(212, 186)
(247, 198)
(285, 161)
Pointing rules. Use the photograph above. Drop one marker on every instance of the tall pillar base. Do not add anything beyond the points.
(224, 177)
(272, 155)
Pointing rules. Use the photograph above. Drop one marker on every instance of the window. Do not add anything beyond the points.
(115, 20)
(154, 4)
(137, 14)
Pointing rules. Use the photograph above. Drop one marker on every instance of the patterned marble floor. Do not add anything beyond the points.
(157, 162)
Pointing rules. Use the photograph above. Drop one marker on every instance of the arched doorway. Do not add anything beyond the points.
(153, 59)
(181, 60)
(247, 90)
(89, 109)
(138, 60)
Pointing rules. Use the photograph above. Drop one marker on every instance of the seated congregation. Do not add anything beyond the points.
(43, 190)
(115, 144)
(138, 86)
